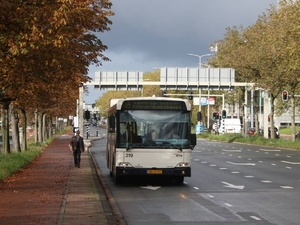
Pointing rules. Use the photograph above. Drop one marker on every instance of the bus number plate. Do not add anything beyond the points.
(154, 171)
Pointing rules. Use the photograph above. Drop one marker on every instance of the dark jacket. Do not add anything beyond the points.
(73, 143)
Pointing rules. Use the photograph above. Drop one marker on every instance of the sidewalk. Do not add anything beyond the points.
(82, 204)
(52, 191)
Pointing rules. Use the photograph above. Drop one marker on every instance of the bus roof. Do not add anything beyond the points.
(119, 102)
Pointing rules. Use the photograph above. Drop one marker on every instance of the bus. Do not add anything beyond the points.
(149, 136)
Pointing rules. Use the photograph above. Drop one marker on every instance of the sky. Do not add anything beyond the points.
(150, 34)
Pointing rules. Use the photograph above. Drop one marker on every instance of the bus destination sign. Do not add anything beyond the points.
(153, 105)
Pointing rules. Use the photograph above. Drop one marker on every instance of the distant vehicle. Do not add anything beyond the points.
(251, 131)
(276, 131)
(230, 126)
(297, 136)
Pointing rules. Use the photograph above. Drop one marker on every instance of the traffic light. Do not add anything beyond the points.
(190, 95)
(87, 115)
(199, 116)
(215, 116)
(224, 114)
(285, 96)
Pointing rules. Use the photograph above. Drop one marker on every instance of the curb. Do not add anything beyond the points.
(117, 215)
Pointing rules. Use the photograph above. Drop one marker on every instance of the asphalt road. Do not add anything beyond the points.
(230, 184)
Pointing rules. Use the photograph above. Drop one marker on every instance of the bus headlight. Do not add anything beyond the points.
(125, 164)
(183, 164)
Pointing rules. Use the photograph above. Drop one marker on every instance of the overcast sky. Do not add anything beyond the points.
(149, 34)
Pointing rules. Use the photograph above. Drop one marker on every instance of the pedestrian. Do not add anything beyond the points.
(77, 146)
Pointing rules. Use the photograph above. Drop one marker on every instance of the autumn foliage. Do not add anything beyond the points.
(46, 47)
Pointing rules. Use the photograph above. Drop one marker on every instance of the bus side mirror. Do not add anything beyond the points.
(193, 140)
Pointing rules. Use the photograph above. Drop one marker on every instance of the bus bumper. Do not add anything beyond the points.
(129, 171)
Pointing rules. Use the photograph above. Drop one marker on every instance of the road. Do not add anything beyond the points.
(230, 184)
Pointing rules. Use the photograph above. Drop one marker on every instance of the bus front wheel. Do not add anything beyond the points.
(179, 180)
(118, 180)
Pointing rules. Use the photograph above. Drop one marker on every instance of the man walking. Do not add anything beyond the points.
(77, 146)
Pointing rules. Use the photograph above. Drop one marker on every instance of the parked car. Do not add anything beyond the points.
(276, 131)
(297, 136)
(251, 131)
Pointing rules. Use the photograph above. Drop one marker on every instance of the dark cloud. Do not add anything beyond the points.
(159, 33)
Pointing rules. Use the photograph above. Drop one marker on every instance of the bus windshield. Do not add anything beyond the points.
(153, 129)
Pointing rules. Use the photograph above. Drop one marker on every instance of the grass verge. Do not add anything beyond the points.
(16, 161)
(254, 140)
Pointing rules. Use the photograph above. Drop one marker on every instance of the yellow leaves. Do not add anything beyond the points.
(14, 50)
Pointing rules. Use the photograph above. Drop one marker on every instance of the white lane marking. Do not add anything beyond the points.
(293, 163)
(225, 150)
(270, 150)
(228, 185)
(249, 159)
(289, 156)
(288, 167)
(260, 161)
(266, 181)
(196, 160)
(235, 172)
(149, 187)
(203, 162)
(286, 187)
(273, 164)
(241, 164)
(248, 176)
(212, 165)
(211, 196)
(255, 217)
(196, 188)
(227, 204)
(223, 168)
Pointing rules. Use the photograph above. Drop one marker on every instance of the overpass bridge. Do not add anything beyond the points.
(174, 78)
(170, 79)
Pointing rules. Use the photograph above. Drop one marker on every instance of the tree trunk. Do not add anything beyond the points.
(40, 128)
(293, 109)
(15, 129)
(44, 127)
(272, 99)
(5, 127)
(36, 126)
(24, 130)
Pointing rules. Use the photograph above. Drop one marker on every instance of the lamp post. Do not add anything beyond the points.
(200, 66)
(200, 57)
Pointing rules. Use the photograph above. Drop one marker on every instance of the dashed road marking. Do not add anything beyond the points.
(286, 187)
(227, 204)
(270, 150)
(255, 218)
(293, 163)
(241, 164)
(266, 181)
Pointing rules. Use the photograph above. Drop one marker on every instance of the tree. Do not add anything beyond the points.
(42, 42)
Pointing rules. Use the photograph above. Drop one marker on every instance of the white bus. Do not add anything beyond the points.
(150, 136)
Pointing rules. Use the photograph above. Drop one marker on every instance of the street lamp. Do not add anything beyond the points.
(200, 57)
(200, 66)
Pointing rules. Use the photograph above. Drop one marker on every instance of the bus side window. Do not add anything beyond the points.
(111, 124)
